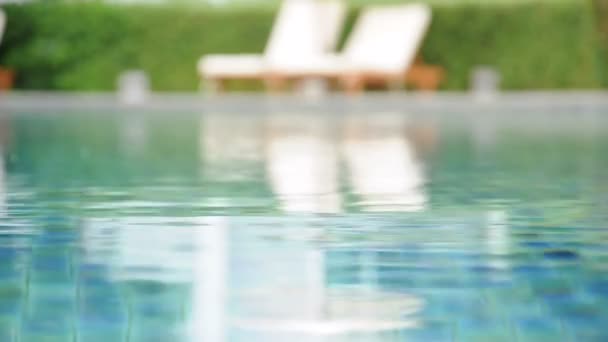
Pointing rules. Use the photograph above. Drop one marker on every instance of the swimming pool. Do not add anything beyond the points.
(303, 227)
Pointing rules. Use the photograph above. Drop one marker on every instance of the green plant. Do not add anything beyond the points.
(84, 46)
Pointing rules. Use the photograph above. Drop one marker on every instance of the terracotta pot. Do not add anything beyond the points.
(6, 79)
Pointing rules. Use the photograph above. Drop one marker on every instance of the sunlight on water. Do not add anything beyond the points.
(318, 227)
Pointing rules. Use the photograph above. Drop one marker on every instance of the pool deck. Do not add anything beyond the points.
(570, 102)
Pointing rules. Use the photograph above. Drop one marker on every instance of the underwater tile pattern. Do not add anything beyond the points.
(284, 230)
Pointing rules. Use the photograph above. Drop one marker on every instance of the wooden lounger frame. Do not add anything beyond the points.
(420, 75)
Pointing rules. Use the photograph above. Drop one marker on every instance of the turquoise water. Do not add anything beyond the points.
(316, 227)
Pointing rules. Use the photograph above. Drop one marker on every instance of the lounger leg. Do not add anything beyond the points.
(274, 84)
(353, 85)
(395, 84)
(431, 82)
(211, 85)
(425, 77)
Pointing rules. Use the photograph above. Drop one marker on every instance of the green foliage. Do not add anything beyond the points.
(533, 44)
(601, 19)
(84, 46)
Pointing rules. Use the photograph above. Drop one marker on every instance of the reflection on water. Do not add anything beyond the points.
(301, 227)
(302, 164)
(497, 238)
(211, 283)
(2, 186)
(382, 165)
(4, 137)
(167, 256)
(231, 147)
(133, 130)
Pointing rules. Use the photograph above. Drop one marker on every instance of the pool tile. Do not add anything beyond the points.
(10, 306)
(436, 330)
(9, 328)
(538, 323)
(484, 329)
(48, 326)
(100, 328)
(591, 335)
(154, 332)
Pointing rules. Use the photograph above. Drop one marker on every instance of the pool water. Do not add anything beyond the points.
(303, 227)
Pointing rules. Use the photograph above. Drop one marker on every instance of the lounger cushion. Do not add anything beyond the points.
(303, 30)
(386, 38)
(224, 66)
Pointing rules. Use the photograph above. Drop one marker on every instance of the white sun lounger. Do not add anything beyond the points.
(382, 46)
(303, 30)
(2, 24)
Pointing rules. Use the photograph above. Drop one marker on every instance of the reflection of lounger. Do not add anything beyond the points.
(382, 46)
(383, 169)
(231, 147)
(303, 29)
(303, 166)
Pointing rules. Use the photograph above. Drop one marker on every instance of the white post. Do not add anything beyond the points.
(485, 82)
(133, 87)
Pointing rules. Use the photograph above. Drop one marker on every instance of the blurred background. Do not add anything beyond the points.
(84, 45)
(176, 217)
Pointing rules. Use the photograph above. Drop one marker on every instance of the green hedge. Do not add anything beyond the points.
(84, 46)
